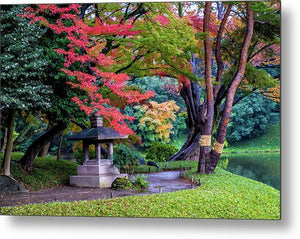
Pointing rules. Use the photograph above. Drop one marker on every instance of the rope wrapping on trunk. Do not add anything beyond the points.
(205, 140)
(218, 147)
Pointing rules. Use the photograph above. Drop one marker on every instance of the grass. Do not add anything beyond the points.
(46, 173)
(221, 195)
(268, 142)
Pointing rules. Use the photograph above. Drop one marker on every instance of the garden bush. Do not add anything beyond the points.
(160, 152)
(121, 184)
(251, 117)
(140, 183)
(126, 158)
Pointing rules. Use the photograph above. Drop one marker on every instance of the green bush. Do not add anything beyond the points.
(140, 183)
(125, 158)
(251, 117)
(121, 184)
(160, 152)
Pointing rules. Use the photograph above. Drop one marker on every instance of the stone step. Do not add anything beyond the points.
(101, 162)
(96, 170)
(103, 181)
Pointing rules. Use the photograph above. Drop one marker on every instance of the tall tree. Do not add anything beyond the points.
(22, 67)
(209, 96)
(88, 68)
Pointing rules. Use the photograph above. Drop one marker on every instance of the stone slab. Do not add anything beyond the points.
(101, 162)
(94, 170)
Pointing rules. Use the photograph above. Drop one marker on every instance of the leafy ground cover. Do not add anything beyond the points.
(221, 195)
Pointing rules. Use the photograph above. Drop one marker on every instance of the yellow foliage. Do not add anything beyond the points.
(159, 117)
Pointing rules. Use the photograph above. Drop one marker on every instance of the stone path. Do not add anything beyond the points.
(158, 182)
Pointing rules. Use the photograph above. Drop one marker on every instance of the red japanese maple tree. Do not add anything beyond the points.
(86, 46)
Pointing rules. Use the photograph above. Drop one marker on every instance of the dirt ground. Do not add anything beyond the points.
(158, 183)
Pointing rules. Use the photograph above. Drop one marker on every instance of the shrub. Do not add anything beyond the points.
(140, 183)
(251, 117)
(160, 152)
(126, 158)
(121, 184)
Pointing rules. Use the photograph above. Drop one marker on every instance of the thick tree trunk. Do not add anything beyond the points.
(209, 114)
(9, 145)
(31, 153)
(190, 149)
(44, 151)
(236, 80)
(3, 139)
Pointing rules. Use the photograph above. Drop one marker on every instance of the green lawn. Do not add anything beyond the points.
(221, 195)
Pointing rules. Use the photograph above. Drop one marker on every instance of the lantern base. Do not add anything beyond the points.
(96, 174)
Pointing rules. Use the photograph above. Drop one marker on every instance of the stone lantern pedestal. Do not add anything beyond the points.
(96, 172)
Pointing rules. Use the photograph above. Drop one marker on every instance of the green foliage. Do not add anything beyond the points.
(126, 158)
(140, 183)
(251, 117)
(23, 63)
(221, 195)
(256, 78)
(160, 152)
(121, 184)
(265, 13)
(267, 142)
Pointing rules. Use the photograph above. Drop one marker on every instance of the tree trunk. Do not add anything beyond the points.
(9, 144)
(208, 115)
(3, 139)
(58, 155)
(236, 80)
(44, 151)
(190, 149)
(31, 153)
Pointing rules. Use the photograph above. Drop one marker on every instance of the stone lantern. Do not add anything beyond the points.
(98, 171)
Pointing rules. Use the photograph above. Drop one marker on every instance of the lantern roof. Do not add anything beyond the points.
(99, 133)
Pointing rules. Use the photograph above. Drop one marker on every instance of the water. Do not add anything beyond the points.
(262, 167)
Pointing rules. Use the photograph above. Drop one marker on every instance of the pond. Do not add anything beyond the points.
(262, 167)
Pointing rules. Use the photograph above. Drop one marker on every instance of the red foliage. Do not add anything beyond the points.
(197, 23)
(182, 80)
(162, 19)
(83, 48)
